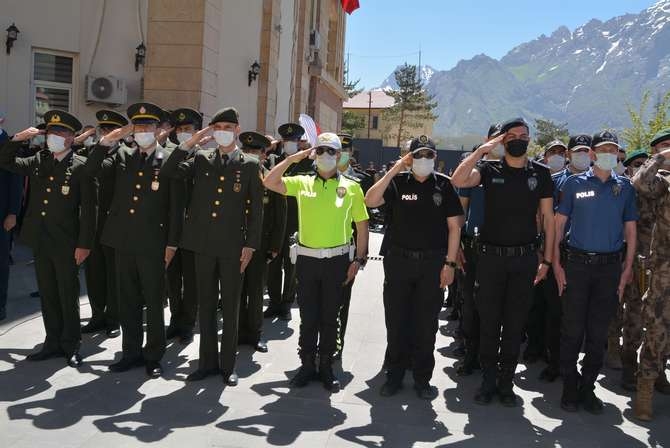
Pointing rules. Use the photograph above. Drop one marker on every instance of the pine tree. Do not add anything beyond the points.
(641, 131)
(547, 131)
(351, 121)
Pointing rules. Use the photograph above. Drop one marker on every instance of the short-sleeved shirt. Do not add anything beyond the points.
(420, 211)
(559, 180)
(474, 218)
(326, 208)
(511, 200)
(597, 211)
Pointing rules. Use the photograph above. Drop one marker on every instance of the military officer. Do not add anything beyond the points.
(226, 184)
(59, 226)
(143, 227)
(274, 225)
(100, 271)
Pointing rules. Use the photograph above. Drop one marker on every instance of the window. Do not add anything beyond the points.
(52, 81)
(375, 122)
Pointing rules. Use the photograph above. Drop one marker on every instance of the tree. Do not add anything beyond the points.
(352, 122)
(350, 87)
(641, 131)
(413, 105)
(547, 131)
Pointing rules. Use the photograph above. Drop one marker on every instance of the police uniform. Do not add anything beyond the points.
(282, 294)
(60, 219)
(592, 262)
(253, 286)
(216, 229)
(181, 283)
(144, 219)
(507, 265)
(415, 257)
(99, 267)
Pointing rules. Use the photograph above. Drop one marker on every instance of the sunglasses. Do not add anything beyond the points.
(423, 154)
(321, 149)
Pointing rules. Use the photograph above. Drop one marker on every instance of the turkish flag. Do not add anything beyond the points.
(350, 6)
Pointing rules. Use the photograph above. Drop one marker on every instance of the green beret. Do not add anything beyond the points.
(637, 154)
(660, 136)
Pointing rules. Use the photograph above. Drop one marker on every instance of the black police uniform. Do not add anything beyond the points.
(145, 217)
(99, 266)
(59, 219)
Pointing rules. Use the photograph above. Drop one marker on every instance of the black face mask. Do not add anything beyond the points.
(517, 148)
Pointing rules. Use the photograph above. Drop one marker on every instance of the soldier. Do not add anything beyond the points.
(59, 227)
(652, 183)
(99, 267)
(226, 184)
(274, 225)
(143, 228)
(281, 298)
(181, 283)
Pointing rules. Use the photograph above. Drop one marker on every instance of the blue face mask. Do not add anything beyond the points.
(344, 160)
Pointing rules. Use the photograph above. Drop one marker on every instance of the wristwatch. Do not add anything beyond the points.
(361, 261)
(546, 263)
(451, 264)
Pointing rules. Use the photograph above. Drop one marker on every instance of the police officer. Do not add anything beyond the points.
(59, 227)
(223, 236)
(181, 283)
(515, 189)
(100, 271)
(420, 262)
(143, 227)
(325, 262)
(274, 225)
(601, 208)
(652, 182)
(282, 296)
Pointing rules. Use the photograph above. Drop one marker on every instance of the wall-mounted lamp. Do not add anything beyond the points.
(12, 35)
(140, 54)
(254, 71)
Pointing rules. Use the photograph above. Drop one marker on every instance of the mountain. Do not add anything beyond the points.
(389, 83)
(586, 77)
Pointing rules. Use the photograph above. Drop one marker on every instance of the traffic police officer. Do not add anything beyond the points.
(143, 227)
(226, 184)
(420, 262)
(100, 271)
(328, 203)
(515, 189)
(59, 227)
(602, 212)
(274, 225)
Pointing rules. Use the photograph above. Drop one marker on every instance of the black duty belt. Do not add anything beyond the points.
(426, 254)
(595, 258)
(508, 251)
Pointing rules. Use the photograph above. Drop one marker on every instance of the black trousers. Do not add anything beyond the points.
(319, 298)
(212, 271)
(182, 293)
(5, 238)
(590, 301)
(58, 283)
(343, 315)
(552, 334)
(470, 315)
(535, 327)
(100, 272)
(251, 307)
(503, 297)
(141, 280)
(412, 300)
(280, 269)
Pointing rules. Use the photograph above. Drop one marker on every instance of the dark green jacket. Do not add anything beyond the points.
(274, 220)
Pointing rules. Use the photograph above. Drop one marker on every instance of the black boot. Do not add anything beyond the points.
(328, 378)
(306, 373)
(587, 396)
(506, 387)
(487, 390)
(570, 397)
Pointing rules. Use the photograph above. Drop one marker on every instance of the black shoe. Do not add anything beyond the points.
(390, 388)
(285, 315)
(200, 375)
(508, 399)
(93, 327)
(35, 294)
(271, 312)
(261, 346)
(303, 377)
(44, 354)
(231, 380)
(425, 391)
(125, 364)
(153, 369)
(484, 396)
(75, 360)
(113, 332)
(549, 374)
(590, 402)
(337, 356)
(459, 351)
(570, 396)
(467, 367)
(186, 337)
(454, 315)
(328, 378)
(171, 332)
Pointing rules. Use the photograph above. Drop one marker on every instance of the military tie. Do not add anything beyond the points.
(143, 159)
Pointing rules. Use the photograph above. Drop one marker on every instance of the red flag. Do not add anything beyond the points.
(350, 6)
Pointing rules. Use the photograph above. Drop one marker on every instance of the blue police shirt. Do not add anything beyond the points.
(475, 215)
(597, 211)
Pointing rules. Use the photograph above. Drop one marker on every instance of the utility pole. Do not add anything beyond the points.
(419, 62)
(369, 112)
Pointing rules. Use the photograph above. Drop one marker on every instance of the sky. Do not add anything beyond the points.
(383, 34)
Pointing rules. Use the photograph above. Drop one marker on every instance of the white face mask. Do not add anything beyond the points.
(344, 160)
(183, 136)
(88, 142)
(606, 161)
(55, 143)
(619, 168)
(423, 167)
(290, 148)
(556, 162)
(581, 161)
(224, 138)
(326, 162)
(145, 139)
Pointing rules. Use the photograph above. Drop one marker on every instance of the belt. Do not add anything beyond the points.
(594, 258)
(469, 241)
(324, 253)
(508, 251)
(417, 254)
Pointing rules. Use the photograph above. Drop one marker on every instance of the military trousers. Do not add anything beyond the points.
(633, 329)
(251, 308)
(100, 273)
(182, 291)
(281, 280)
(4, 267)
(552, 321)
(656, 319)
(470, 315)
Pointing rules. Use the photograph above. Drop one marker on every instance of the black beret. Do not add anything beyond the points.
(513, 123)
(61, 119)
(660, 136)
(421, 142)
(254, 140)
(226, 115)
(110, 118)
(494, 130)
(579, 141)
(291, 131)
(185, 115)
(347, 140)
(144, 113)
(604, 138)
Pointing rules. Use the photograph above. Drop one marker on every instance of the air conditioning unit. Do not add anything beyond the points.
(105, 89)
(314, 40)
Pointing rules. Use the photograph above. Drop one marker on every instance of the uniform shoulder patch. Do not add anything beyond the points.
(351, 178)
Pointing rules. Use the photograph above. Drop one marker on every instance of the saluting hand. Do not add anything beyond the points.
(245, 258)
(84, 135)
(198, 138)
(80, 255)
(164, 133)
(26, 134)
(300, 155)
(491, 144)
(117, 134)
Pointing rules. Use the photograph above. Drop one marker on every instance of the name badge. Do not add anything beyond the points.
(65, 190)
(409, 197)
(585, 194)
(498, 180)
(154, 185)
(237, 187)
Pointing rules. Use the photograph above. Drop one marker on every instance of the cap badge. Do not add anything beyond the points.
(289, 130)
(437, 199)
(249, 139)
(55, 118)
(341, 191)
(105, 117)
(616, 189)
(423, 139)
(532, 183)
(143, 110)
(182, 116)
